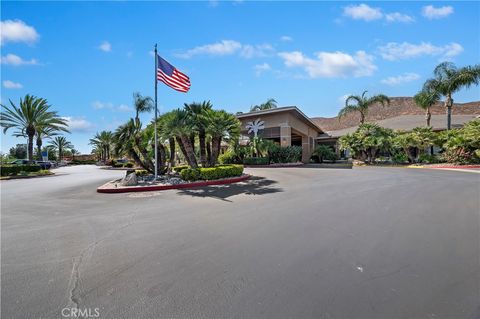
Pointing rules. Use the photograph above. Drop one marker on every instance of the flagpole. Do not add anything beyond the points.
(156, 115)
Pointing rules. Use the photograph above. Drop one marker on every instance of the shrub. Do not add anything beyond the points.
(180, 168)
(289, 154)
(323, 152)
(82, 162)
(427, 158)
(229, 157)
(211, 173)
(128, 164)
(7, 170)
(256, 161)
(399, 158)
(141, 172)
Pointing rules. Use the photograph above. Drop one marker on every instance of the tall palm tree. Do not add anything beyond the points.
(44, 131)
(269, 104)
(31, 114)
(142, 104)
(125, 139)
(361, 105)
(425, 99)
(179, 125)
(449, 79)
(60, 143)
(221, 125)
(103, 141)
(74, 152)
(197, 113)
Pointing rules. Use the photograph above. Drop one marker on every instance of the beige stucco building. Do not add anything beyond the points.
(284, 125)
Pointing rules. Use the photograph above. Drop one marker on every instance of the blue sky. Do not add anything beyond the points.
(87, 58)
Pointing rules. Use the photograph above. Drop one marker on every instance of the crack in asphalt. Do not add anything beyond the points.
(75, 278)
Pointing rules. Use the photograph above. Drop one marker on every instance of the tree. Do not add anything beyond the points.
(142, 104)
(198, 116)
(60, 143)
(425, 99)
(415, 142)
(367, 141)
(324, 152)
(31, 114)
(44, 131)
(221, 125)
(19, 151)
(103, 143)
(269, 104)
(361, 105)
(449, 79)
(74, 152)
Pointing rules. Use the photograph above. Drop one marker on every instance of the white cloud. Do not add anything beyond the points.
(430, 12)
(78, 124)
(398, 17)
(12, 85)
(97, 105)
(286, 38)
(260, 68)
(105, 46)
(12, 59)
(331, 64)
(17, 31)
(254, 51)
(393, 51)
(124, 108)
(400, 79)
(224, 47)
(362, 12)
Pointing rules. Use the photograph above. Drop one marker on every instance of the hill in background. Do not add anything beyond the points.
(398, 106)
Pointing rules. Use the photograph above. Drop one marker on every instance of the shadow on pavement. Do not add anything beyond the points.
(255, 185)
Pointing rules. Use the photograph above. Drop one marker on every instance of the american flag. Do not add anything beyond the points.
(169, 75)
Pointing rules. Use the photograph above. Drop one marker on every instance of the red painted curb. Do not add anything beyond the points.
(167, 187)
(455, 166)
(273, 166)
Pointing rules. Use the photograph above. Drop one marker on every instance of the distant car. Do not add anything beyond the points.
(44, 165)
(19, 162)
(54, 163)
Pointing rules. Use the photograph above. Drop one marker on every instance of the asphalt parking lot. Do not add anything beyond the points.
(289, 243)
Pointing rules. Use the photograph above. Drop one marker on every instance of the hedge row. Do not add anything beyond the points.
(211, 173)
(180, 168)
(8, 170)
(256, 161)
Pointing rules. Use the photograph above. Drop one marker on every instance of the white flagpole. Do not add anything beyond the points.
(156, 115)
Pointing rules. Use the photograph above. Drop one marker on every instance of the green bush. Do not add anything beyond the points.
(289, 154)
(229, 157)
(322, 153)
(427, 158)
(7, 170)
(141, 172)
(128, 165)
(256, 161)
(211, 173)
(399, 158)
(180, 168)
(81, 162)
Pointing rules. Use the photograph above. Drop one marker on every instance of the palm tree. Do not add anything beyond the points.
(221, 125)
(178, 123)
(44, 131)
(269, 104)
(425, 99)
(197, 113)
(142, 104)
(28, 118)
(125, 137)
(74, 152)
(103, 143)
(60, 144)
(362, 103)
(450, 79)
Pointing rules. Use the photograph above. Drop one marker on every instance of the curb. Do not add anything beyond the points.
(167, 187)
(9, 178)
(274, 166)
(446, 166)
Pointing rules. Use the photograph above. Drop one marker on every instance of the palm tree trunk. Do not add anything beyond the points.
(60, 153)
(161, 155)
(428, 116)
(171, 142)
(30, 148)
(362, 118)
(215, 149)
(201, 141)
(448, 105)
(39, 148)
(192, 142)
(189, 150)
(209, 151)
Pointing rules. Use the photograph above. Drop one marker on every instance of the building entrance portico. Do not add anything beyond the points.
(286, 126)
